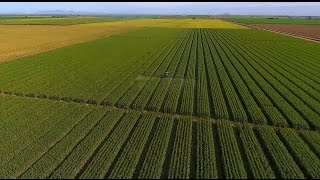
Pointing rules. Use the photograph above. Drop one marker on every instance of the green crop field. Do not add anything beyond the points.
(274, 20)
(237, 103)
(22, 17)
(47, 20)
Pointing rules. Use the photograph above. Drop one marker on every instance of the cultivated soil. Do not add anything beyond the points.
(312, 31)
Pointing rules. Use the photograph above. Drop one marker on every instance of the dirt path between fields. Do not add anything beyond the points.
(175, 116)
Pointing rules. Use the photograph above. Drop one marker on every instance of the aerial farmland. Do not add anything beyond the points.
(192, 97)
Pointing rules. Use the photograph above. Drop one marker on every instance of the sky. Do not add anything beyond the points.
(168, 8)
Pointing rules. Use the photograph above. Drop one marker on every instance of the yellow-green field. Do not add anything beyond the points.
(46, 20)
(172, 23)
(23, 40)
(158, 99)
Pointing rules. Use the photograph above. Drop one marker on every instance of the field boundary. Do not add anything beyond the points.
(279, 32)
(175, 116)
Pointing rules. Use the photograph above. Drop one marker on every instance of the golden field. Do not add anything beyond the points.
(23, 40)
(171, 23)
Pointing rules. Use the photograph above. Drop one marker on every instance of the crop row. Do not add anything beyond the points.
(97, 142)
(82, 72)
(221, 74)
(282, 101)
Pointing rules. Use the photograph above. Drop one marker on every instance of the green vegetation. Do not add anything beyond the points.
(51, 159)
(155, 157)
(223, 69)
(233, 166)
(280, 155)
(72, 164)
(97, 67)
(22, 17)
(254, 154)
(307, 159)
(126, 163)
(181, 155)
(236, 104)
(53, 20)
(206, 157)
(88, 141)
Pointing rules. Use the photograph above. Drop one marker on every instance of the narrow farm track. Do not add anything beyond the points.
(194, 118)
